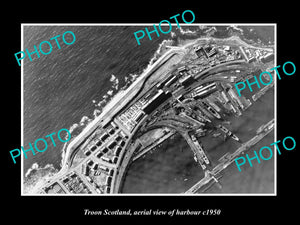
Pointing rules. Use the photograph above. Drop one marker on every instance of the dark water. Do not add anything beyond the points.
(168, 169)
(172, 169)
(64, 88)
(59, 87)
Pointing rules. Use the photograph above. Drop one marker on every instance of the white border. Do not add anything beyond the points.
(22, 109)
(150, 24)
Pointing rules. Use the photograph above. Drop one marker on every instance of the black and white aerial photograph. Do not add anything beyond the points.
(166, 116)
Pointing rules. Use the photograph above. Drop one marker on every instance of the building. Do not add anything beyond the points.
(103, 168)
(122, 143)
(226, 48)
(98, 191)
(268, 57)
(55, 189)
(202, 88)
(87, 152)
(123, 134)
(200, 52)
(166, 81)
(89, 179)
(95, 166)
(114, 125)
(85, 170)
(212, 52)
(115, 160)
(105, 150)
(112, 145)
(111, 172)
(66, 180)
(244, 53)
(181, 69)
(118, 138)
(106, 159)
(251, 59)
(155, 101)
(97, 173)
(201, 91)
(108, 181)
(90, 162)
(132, 116)
(111, 131)
(98, 143)
(187, 80)
(107, 189)
(100, 154)
(118, 151)
(93, 148)
(248, 54)
(104, 137)
(170, 81)
(138, 116)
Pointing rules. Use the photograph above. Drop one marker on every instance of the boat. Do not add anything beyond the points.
(228, 133)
